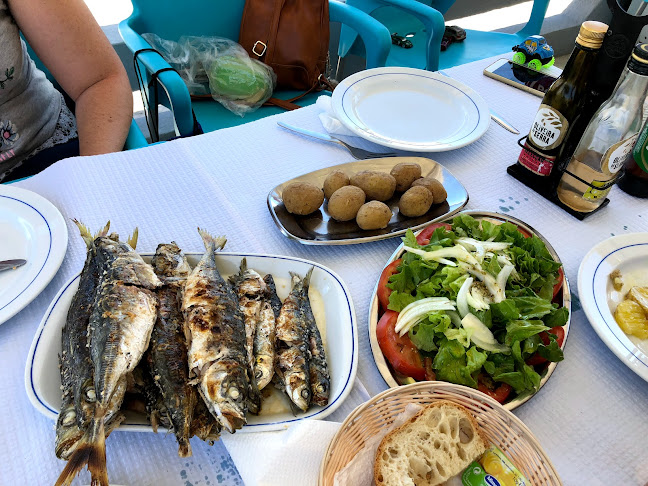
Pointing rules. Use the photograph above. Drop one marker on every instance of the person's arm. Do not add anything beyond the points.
(68, 40)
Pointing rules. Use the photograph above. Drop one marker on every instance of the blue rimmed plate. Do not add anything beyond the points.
(33, 229)
(333, 311)
(410, 109)
(629, 255)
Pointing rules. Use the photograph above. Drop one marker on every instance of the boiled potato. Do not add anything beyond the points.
(415, 202)
(434, 186)
(344, 203)
(334, 181)
(376, 185)
(302, 198)
(373, 215)
(405, 173)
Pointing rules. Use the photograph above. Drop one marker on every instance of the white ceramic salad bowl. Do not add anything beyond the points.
(383, 365)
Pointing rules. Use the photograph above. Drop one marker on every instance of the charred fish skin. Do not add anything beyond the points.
(264, 346)
(120, 327)
(204, 425)
(167, 354)
(75, 363)
(271, 295)
(250, 289)
(217, 357)
(293, 351)
(320, 379)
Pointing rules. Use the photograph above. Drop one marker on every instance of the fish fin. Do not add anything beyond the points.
(132, 240)
(208, 240)
(243, 267)
(103, 231)
(91, 451)
(86, 234)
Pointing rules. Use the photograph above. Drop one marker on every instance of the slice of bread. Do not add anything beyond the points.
(437, 443)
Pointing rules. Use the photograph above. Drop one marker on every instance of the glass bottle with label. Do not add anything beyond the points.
(608, 139)
(560, 106)
(635, 178)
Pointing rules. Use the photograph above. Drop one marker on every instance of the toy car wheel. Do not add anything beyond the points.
(550, 63)
(535, 64)
(519, 58)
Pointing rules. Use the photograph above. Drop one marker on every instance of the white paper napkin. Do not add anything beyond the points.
(290, 457)
(332, 125)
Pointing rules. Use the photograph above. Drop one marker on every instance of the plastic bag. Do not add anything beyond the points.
(218, 67)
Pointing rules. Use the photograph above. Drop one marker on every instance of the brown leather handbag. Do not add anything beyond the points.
(291, 36)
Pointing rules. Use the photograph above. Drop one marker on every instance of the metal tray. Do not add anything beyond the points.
(319, 228)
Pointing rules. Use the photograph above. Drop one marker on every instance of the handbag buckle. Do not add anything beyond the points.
(262, 48)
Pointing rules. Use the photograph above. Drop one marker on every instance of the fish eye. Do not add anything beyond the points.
(90, 395)
(305, 393)
(321, 388)
(233, 392)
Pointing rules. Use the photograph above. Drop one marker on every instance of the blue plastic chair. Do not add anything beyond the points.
(425, 21)
(135, 138)
(171, 20)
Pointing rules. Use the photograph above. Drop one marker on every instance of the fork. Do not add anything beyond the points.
(356, 152)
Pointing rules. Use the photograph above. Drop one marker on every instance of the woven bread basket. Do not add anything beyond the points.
(500, 426)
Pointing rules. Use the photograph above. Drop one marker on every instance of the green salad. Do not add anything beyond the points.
(476, 303)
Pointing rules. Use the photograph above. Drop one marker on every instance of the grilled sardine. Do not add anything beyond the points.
(293, 352)
(216, 344)
(167, 355)
(119, 331)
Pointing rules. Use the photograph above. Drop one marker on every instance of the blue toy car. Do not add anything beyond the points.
(535, 51)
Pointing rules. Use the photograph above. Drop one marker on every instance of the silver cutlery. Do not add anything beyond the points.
(356, 152)
(11, 264)
(503, 123)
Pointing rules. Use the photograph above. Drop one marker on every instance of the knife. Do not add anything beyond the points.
(11, 264)
(503, 123)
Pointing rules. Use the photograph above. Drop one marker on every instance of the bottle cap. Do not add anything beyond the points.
(639, 60)
(591, 34)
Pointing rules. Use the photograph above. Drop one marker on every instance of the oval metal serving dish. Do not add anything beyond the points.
(319, 228)
(382, 364)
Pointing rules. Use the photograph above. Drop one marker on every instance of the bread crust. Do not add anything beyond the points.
(391, 437)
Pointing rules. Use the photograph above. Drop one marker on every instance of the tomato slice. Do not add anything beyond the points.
(399, 351)
(383, 291)
(559, 284)
(500, 393)
(557, 331)
(423, 238)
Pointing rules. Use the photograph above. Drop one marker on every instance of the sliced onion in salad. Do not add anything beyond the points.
(418, 310)
(442, 254)
(481, 336)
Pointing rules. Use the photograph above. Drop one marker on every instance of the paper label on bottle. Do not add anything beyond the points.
(541, 165)
(594, 194)
(548, 129)
(615, 157)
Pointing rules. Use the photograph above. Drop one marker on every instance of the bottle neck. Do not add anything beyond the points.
(581, 58)
(632, 85)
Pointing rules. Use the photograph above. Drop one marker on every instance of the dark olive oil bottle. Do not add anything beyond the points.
(559, 108)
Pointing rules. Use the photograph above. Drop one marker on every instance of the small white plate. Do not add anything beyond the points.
(410, 109)
(629, 255)
(33, 229)
(329, 296)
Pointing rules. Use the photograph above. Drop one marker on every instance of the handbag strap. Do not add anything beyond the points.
(322, 84)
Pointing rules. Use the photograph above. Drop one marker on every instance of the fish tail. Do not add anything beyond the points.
(91, 451)
(307, 278)
(243, 266)
(184, 448)
(217, 242)
(86, 234)
(132, 240)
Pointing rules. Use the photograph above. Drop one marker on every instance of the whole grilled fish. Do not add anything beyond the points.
(75, 364)
(320, 380)
(293, 353)
(216, 330)
(250, 289)
(120, 327)
(167, 354)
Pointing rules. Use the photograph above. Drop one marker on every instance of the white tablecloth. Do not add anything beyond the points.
(590, 417)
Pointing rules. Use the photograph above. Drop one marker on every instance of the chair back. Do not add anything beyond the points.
(171, 19)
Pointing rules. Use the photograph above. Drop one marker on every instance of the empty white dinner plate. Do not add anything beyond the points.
(629, 255)
(410, 109)
(33, 229)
